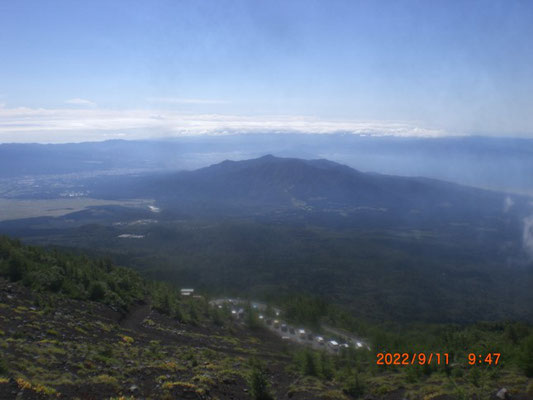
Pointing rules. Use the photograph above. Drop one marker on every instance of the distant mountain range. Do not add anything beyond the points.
(498, 163)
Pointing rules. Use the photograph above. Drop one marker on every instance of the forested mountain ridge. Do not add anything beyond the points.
(274, 183)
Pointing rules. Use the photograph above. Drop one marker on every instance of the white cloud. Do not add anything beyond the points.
(67, 125)
(178, 100)
(507, 204)
(81, 102)
(527, 235)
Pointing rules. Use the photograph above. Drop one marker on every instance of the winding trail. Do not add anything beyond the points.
(134, 318)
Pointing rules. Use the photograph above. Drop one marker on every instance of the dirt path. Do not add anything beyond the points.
(134, 318)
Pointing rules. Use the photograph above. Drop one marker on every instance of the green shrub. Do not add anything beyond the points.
(96, 291)
(3, 367)
(259, 386)
(309, 364)
(354, 386)
(16, 268)
(525, 360)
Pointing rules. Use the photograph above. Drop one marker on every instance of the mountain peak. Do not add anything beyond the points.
(268, 157)
(271, 183)
(289, 161)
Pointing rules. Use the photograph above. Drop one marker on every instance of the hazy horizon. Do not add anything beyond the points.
(96, 71)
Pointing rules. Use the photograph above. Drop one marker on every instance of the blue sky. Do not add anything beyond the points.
(81, 68)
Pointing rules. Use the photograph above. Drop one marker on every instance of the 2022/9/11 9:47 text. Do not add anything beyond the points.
(434, 358)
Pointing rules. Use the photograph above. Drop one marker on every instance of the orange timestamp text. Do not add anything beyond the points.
(434, 359)
(412, 359)
(484, 359)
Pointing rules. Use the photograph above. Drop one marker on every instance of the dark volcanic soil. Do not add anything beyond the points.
(61, 348)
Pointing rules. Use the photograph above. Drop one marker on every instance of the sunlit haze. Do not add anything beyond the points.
(76, 71)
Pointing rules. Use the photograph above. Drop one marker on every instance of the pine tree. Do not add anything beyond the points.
(309, 367)
(259, 387)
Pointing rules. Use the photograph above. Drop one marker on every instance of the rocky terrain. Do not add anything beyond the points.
(85, 350)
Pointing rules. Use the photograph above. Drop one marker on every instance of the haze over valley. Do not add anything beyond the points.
(273, 226)
(266, 200)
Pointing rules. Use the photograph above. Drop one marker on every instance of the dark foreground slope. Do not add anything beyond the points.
(86, 350)
(72, 327)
